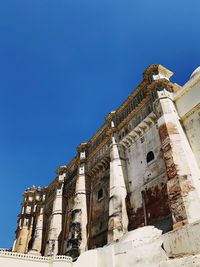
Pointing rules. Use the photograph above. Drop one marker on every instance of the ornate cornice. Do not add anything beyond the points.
(146, 87)
(163, 83)
(97, 134)
(61, 170)
(100, 146)
(134, 112)
(101, 164)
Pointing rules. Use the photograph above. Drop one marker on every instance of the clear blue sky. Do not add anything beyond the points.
(64, 65)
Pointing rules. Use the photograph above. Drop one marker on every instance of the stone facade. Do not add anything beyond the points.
(141, 168)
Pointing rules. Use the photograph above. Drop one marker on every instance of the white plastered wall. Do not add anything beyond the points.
(187, 101)
(140, 173)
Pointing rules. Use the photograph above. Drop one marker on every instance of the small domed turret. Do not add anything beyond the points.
(195, 72)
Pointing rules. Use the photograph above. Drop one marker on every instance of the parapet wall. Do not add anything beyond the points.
(142, 247)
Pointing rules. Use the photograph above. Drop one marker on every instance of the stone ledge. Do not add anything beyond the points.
(182, 262)
(182, 241)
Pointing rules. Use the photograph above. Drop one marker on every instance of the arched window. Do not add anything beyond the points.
(150, 156)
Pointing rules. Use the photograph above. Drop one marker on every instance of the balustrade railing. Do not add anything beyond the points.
(4, 253)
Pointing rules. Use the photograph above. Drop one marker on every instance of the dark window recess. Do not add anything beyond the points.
(150, 156)
(100, 194)
(100, 226)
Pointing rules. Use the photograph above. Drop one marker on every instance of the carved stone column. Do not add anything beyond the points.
(118, 219)
(52, 246)
(77, 242)
(37, 242)
(182, 171)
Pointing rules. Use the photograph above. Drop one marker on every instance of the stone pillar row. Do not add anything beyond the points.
(118, 219)
(183, 185)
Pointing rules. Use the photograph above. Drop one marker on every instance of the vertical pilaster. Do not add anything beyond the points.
(183, 173)
(118, 219)
(37, 242)
(52, 246)
(77, 242)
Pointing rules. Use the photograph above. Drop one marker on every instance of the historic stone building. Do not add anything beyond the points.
(142, 167)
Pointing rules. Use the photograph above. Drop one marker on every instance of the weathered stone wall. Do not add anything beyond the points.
(68, 203)
(67, 220)
(98, 217)
(48, 209)
(147, 182)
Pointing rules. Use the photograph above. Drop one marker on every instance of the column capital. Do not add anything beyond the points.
(61, 170)
(81, 150)
(110, 119)
(156, 72)
(110, 116)
(82, 147)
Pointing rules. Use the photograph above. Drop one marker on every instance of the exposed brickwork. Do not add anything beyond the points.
(157, 205)
(174, 188)
(136, 219)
